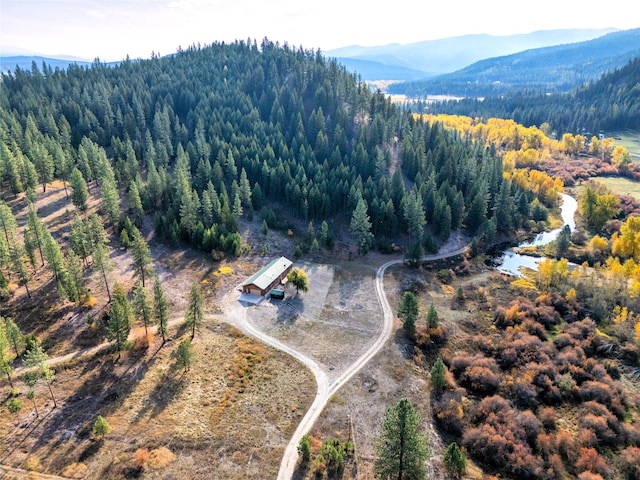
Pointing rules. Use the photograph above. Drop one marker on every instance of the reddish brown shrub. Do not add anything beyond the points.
(480, 379)
(590, 460)
(449, 413)
(485, 344)
(630, 463)
(548, 316)
(546, 443)
(522, 348)
(556, 467)
(547, 416)
(533, 328)
(141, 457)
(597, 391)
(488, 445)
(581, 330)
(524, 393)
(563, 340)
(601, 421)
(587, 437)
(565, 445)
(590, 476)
(495, 404)
(529, 425)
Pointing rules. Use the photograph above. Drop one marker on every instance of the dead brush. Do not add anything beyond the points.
(141, 457)
(160, 457)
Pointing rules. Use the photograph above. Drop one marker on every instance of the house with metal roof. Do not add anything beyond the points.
(268, 277)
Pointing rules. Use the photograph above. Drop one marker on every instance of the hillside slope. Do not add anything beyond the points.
(556, 68)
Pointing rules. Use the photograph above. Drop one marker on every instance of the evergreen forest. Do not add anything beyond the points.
(199, 139)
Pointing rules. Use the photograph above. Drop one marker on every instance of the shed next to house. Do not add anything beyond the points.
(268, 277)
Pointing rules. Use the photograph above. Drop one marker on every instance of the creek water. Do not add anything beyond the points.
(511, 261)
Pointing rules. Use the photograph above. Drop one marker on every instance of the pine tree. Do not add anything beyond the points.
(193, 318)
(439, 374)
(140, 253)
(110, 199)
(79, 192)
(454, 461)
(408, 311)
(360, 226)
(53, 255)
(36, 228)
(30, 380)
(17, 254)
(136, 212)
(414, 215)
(102, 264)
(185, 355)
(432, 317)
(118, 324)
(401, 450)
(142, 306)
(36, 358)
(6, 355)
(101, 427)
(160, 309)
(14, 335)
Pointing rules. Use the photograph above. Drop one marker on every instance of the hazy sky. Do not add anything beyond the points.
(111, 29)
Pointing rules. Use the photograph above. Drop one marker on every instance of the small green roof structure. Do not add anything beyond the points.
(268, 277)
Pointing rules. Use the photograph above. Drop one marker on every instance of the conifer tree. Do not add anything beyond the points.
(36, 229)
(142, 306)
(408, 311)
(360, 226)
(6, 355)
(193, 318)
(401, 450)
(439, 374)
(36, 358)
(454, 461)
(79, 192)
(118, 324)
(185, 355)
(160, 309)
(14, 335)
(432, 317)
(140, 253)
(136, 212)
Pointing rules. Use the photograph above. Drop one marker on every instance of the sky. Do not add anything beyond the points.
(112, 29)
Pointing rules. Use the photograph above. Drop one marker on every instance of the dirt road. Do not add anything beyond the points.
(238, 317)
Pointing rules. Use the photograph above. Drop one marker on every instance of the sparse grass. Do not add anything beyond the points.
(629, 140)
(621, 185)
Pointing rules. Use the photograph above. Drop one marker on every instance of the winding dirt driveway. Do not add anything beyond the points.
(238, 317)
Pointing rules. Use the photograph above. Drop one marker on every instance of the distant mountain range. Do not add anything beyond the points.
(434, 57)
(558, 68)
(9, 63)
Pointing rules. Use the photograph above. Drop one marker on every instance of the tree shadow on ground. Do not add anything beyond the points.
(405, 344)
(69, 426)
(166, 390)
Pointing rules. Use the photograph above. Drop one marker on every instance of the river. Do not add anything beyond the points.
(511, 262)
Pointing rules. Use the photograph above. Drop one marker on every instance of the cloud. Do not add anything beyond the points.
(193, 5)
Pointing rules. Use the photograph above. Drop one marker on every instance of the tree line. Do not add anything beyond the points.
(607, 104)
(211, 135)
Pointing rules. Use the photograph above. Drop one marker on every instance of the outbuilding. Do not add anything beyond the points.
(268, 277)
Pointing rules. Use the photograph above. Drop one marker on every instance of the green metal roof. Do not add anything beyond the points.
(267, 274)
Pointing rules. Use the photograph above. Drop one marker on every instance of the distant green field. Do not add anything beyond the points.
(622, 186)
(628, 139)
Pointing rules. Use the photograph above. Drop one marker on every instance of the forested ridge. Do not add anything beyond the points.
(559, 68)
(610, 103)
(211, 134)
